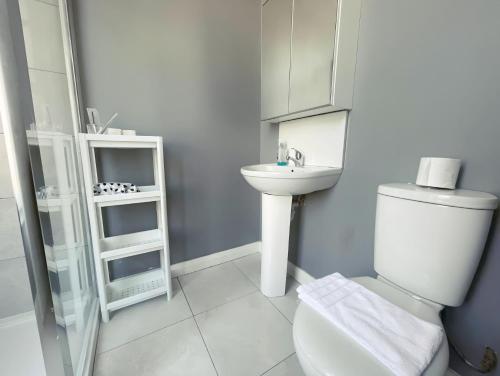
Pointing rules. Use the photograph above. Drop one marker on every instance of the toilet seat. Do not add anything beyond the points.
(323, 349)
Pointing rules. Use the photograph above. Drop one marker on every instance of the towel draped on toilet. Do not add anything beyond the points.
(404, 343)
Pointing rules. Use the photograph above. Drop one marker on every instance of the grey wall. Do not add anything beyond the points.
(187, 70)
(427, 84)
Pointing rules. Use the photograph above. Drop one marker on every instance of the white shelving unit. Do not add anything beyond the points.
(133, 289)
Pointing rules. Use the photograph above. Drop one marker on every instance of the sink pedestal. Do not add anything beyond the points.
(276, 212)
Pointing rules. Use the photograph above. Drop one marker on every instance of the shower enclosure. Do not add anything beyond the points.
(50, 110)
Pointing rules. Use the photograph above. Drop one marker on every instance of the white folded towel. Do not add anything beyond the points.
(404, 343)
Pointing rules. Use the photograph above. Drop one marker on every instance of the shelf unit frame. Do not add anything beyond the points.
(136, 288)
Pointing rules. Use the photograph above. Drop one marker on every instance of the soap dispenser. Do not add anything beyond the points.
(282, 154)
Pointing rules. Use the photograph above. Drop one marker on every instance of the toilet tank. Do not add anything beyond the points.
(429, 241)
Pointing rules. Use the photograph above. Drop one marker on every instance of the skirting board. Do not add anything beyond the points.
(300, 275)
(221, 257)
(213, 259)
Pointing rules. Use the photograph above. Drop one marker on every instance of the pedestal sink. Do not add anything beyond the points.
(278, 184)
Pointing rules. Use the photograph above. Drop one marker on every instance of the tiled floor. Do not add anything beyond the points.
(218, 323)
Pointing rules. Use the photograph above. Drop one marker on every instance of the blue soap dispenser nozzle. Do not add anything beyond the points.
(282, 154)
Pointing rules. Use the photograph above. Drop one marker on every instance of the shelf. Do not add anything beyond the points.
(57, 256)
(47, 138)
(55, 203)
(121, 141)
(125, 291)
(147, 193)
(131, 244)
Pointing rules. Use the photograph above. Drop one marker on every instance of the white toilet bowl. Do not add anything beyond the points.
(323, 349)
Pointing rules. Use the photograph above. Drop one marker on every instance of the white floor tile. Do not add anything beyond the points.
(247, 336)
(214, 286)
(289, 367)
(177, 350)
(143, 318)
(287, 304)
(250, 266)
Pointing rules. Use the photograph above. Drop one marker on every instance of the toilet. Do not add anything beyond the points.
(428, 243)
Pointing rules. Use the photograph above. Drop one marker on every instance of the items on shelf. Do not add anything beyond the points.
(47, 191)
(94, 126)
(114, 188)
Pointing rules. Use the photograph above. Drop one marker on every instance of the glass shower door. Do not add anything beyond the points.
(57, 178)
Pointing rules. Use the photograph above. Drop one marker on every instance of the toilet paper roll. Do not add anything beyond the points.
(438, 172)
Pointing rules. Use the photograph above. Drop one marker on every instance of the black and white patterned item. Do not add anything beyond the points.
(47, 191)
(114, 188)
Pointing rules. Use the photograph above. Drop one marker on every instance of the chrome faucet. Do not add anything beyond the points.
(298, 159)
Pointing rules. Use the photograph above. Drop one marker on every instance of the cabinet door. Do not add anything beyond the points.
(275, 64)
(313, 42)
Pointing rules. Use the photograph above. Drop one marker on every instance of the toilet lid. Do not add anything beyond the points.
(328, 351)
(461, 198)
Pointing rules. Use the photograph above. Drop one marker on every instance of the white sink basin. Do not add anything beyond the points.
(287, 180)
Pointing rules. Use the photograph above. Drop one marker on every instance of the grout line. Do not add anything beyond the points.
(46, 70)
(199, 330)
(251, 254)
(208, 267)
(187, 300)
(47, 3)
(12, 258)
(275, 306)
(145, 335)
(277, 364)
(213, 266)
(247, 277)
(282, 314)
(228, 302)
(206, 347)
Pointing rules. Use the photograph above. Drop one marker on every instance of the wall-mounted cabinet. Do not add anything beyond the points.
(308, 57)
